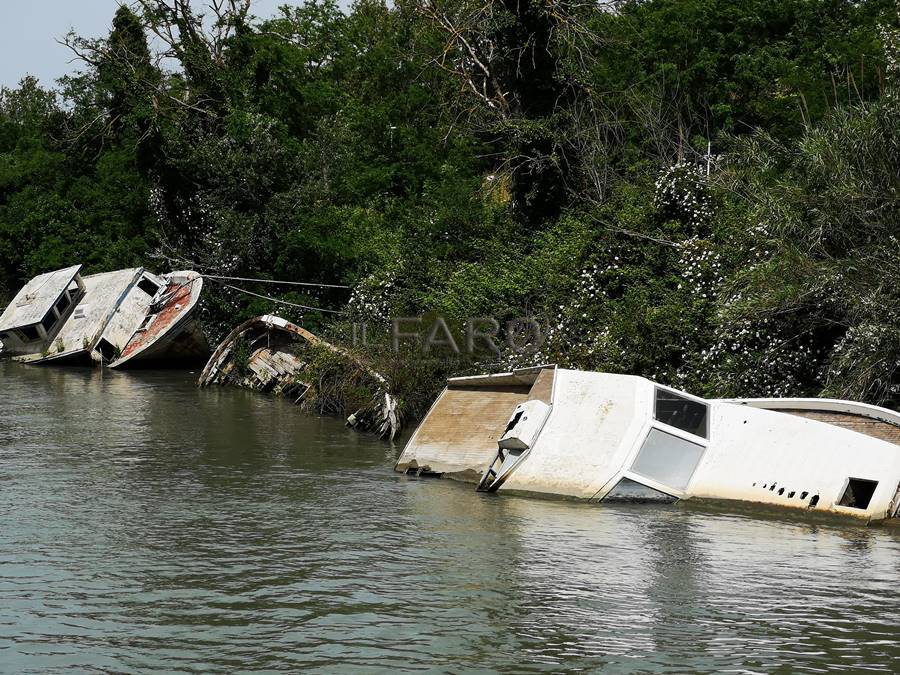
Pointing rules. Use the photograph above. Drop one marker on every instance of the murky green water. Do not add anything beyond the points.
(149, 525)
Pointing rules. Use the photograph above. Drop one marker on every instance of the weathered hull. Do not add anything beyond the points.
(121, 318)
(173, 337)
(862, 418)
(459, 435)
(80, 357)
(264, 368)
(271, 355)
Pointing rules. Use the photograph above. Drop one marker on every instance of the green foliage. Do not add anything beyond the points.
(460, 159)
(819, 270)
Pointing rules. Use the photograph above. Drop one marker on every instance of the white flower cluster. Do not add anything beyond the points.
(752, 359)
(701, 268)
(370, 300)
(890, 39)
(864, 340)
(590, 282)
(681, 192)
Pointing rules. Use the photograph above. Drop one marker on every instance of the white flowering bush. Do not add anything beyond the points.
(370, 301)
(755, 357)
(640, 306)
(681, 193)
(701, 268)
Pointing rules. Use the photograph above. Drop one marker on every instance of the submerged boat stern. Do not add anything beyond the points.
(459, 436)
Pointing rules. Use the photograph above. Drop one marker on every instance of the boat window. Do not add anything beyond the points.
(29, 333)
(858, 493)
(681, 412)
(148, 286)
(49, 321)
(667, 459)
(108, 350)
(627, 490)
(63, 303)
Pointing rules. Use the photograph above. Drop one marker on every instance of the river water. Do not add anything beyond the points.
(149, 525)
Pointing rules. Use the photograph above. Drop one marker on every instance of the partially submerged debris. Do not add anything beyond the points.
(122, 318)
(270, 354)
(606, 437)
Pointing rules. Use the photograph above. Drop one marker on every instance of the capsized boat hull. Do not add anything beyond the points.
(171, 335)
(272, 355)
(607, 433)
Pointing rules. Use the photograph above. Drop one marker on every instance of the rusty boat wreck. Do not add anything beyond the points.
(269, 354)
(120, 319)
(607, 437)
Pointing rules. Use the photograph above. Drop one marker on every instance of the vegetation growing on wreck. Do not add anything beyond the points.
(698, 192)
(271, 355)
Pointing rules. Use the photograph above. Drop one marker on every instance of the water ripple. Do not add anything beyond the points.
(149, 525)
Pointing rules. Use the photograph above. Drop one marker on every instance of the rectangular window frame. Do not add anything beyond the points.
(634, 472)
(145, 283)
(844, 494)
(23, 335)
(49, 322)
(688, 435)
(63, 303)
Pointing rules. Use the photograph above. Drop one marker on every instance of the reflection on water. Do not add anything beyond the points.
(148, 524)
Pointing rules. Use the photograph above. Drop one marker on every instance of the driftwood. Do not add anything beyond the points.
(270, 354)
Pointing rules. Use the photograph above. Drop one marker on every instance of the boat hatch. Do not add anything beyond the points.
(518, 438)
(149, 286)
(145, 324)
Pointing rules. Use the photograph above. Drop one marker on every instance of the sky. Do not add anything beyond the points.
(29, 30)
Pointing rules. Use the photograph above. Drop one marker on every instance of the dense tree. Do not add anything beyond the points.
(492, 158)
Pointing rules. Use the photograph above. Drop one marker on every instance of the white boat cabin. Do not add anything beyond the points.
(602, 436)
(63, 317)
(35, 315)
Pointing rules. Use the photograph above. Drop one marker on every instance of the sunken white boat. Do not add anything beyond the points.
(123, 318)
(600, 436)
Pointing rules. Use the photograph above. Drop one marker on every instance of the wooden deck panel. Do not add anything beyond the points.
(460, 433)
(858, 423)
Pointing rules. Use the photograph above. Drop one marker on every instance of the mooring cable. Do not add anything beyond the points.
(281, 302)
(273, 281)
